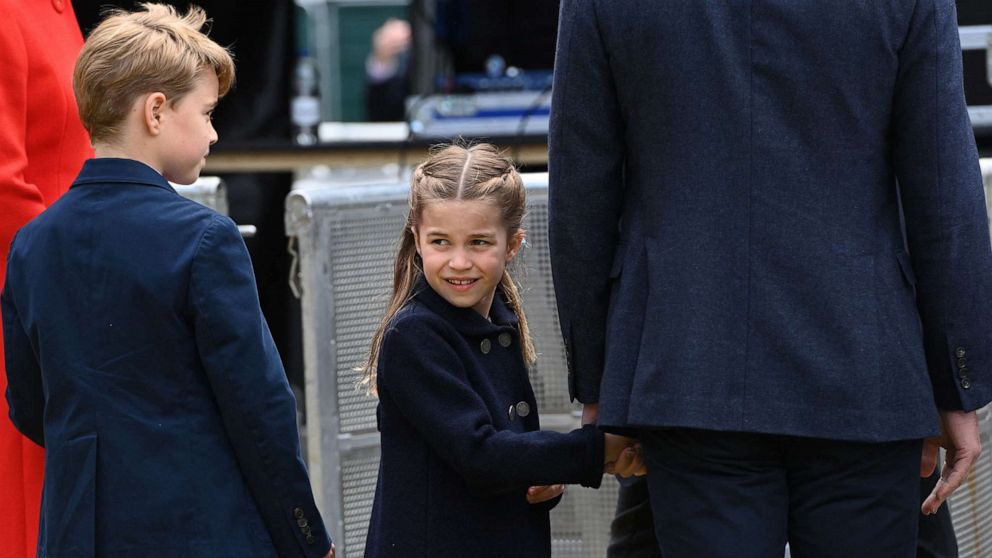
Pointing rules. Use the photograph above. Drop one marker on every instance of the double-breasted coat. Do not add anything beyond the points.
(461, 441)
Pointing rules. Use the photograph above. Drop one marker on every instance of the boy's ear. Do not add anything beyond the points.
(152, 111)
(513, 246)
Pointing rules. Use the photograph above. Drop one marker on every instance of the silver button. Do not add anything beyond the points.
(485, 346)
(960, 352)
(966, 383)
(504, 339)
(512, 413)
(523, 409)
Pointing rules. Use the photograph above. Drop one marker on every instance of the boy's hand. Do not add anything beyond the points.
(330, 553)
(543, 493)
(623, 456)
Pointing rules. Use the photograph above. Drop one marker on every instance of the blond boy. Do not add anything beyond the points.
(136, 350)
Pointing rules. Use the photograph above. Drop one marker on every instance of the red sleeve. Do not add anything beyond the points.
(19, 200)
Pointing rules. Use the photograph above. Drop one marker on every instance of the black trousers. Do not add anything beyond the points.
(631, 532)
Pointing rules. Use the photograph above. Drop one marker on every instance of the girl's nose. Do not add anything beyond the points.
(459, 260)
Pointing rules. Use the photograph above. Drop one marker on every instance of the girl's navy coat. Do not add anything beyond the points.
(456, 463)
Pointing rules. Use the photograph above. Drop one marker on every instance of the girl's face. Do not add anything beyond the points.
(464, 247)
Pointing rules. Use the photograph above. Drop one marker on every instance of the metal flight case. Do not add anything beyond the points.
(345, 239)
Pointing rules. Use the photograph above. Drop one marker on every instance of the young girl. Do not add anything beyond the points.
(460, 436)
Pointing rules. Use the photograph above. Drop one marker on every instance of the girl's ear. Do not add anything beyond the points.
(513, 246)
(416, 239)
(152, 109)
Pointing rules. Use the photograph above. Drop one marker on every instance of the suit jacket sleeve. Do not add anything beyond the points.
(252, 393)
(940, 183)
(25, 398)
(586, 166)
(425, 378)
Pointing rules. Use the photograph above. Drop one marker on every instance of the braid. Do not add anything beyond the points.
(512, 295)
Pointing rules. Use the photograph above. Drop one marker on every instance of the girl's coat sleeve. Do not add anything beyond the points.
(426, 378)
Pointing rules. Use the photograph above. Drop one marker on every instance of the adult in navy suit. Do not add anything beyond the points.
(771, 257)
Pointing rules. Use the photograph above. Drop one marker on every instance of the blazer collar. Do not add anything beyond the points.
(109, 170)
(467, 320)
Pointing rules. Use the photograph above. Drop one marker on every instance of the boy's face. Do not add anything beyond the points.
(187, 131)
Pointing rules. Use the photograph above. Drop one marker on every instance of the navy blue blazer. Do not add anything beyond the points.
(461, 441)
(137, 354)
(727, 185)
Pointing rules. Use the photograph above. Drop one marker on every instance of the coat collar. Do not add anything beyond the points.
(467, 320)
(110, 170)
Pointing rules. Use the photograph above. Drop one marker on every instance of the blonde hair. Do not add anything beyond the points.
(455, 172)
(154, 49)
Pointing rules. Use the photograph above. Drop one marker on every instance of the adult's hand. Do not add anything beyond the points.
(330, 553)
(630, 463)
(543, 493)
(963, 445)
(590, 413)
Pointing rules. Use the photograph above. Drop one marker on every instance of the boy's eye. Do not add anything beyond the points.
(480, 242)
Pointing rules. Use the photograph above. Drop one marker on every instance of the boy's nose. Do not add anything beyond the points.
(213, 135)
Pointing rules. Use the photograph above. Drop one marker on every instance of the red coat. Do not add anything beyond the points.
(42, 147)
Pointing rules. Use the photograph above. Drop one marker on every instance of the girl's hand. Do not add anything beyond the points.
(538, 494)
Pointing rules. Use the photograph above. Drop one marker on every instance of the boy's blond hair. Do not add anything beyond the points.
(132, 53)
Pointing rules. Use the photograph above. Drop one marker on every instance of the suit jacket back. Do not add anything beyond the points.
(728, 182)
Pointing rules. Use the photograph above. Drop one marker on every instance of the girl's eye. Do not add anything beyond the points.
(480, 242)
(440, 242)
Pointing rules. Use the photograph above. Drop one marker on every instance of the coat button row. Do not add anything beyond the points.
(521, 409)
(504, 339)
